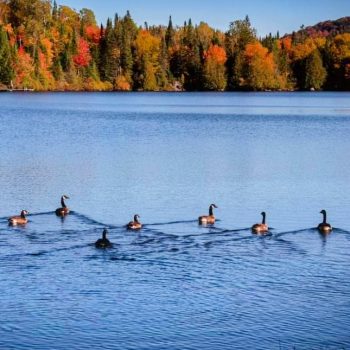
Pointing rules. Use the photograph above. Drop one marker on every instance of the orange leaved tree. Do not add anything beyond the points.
(260, 71)
(214, 68)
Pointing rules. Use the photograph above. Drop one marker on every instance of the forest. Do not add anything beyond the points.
(46, 47)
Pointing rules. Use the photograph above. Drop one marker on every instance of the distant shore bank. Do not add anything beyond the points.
(165, 91)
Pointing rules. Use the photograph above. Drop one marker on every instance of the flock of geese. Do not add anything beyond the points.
(261, 228)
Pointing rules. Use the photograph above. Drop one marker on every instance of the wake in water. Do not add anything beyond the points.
(78, 232)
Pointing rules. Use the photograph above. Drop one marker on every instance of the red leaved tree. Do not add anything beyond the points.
(83, 56)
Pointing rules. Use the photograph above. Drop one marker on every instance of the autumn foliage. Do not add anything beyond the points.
(93, 34)
(214, 68)
(216, 53)
(83, 57)
(261, 67)
(44, 46)
(24, 69)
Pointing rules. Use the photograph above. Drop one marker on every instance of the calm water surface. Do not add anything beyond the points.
(175, 285)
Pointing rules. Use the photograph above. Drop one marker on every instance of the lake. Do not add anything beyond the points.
(174, 284)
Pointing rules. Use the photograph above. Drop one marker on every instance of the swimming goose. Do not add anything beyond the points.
(136, 224)
(261, 228)
(324, 227)
(208, 219)
(19, 220)
(64, 210)
(103, 242)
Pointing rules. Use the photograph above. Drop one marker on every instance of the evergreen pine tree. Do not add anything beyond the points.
(73, 44)
(163, 65)
(116, 21)
(170, 33)
(315, 73)
(6, 70)
(57, 70)
(113, 53)
(66, 58)
(126, 56)
(103, 60)
(54, 11)
(239, 35)
(189, 39)
(109, 58)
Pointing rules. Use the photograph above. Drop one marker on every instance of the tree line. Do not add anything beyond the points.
(44, 46)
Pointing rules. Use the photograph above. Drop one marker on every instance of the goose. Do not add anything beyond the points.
(136, 224)
(64, 210)
(208, 219)
(324, 226)
(19, 220)
(103, 242)
(261, 228)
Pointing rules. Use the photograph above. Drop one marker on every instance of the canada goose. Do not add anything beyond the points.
(63, 211)
(324, 227)
(136, 224)
(103, 242)
(261, 228)
(208, 219)
(19, 220)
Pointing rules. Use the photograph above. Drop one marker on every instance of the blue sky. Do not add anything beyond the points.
(266, 16)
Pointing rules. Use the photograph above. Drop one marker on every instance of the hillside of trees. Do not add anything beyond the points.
(326, 28)
(46, 47)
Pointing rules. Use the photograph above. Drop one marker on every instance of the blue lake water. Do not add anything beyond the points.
(175, 285)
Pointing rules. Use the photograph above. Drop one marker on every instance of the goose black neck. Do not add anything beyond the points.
(211, 211)
(264, 218)
(104, 234)
(136, 218)
(324, 217)
(23, 216)
(63, 203)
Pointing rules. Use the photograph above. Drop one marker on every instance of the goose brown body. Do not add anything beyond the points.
(136, 224)
(208, 219)
(64, 210)
(103, 242)
(324, 227)
(261, 228)
(18, 220)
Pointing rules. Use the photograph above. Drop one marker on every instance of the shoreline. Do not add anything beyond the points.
(171, 92)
